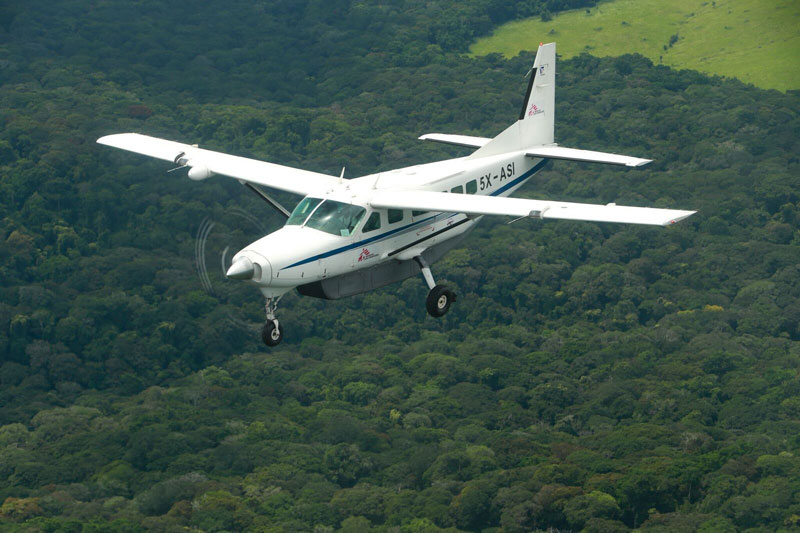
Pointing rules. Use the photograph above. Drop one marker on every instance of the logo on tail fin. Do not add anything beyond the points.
(534, 110)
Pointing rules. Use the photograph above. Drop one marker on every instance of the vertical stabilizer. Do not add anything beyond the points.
(538, 115)
(536, 119)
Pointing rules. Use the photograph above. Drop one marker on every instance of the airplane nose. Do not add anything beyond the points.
(250, 266)
(242, 268)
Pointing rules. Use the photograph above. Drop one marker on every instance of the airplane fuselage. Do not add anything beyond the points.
(298, 254)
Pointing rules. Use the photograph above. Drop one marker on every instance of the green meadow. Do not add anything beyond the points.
(756, 41)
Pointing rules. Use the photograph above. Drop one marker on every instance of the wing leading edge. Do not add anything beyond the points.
(520, 207)
(241, 168)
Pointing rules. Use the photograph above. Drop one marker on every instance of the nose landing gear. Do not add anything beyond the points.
(440, 297)
(272, 332)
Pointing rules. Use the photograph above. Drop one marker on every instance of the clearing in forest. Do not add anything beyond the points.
(757, 41)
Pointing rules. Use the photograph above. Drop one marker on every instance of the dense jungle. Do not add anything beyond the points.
(590, 377)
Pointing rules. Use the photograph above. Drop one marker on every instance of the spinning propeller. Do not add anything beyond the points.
(216, 242)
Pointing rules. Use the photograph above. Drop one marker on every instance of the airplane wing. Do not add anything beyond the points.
(520, 207)
(205, 163)
(458, 140)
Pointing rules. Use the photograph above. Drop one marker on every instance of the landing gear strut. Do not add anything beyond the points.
(272, 332)
(440, 296)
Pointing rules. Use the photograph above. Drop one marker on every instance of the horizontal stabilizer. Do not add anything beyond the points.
(205, 163)
(519, 207)
(458, 140)
(587, 156)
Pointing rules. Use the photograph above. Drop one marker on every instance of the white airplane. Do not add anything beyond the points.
(349, 236)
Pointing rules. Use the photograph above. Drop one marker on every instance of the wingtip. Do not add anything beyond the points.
(678, 218)
(110, 140)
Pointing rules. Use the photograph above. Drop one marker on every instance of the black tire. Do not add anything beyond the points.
(439, 300)
(271, 335)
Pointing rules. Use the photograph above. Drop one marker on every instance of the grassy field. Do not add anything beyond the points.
(757, 41)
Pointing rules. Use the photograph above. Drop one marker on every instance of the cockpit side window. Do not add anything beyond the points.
(373, 222)
(301, 212)
(336, 218)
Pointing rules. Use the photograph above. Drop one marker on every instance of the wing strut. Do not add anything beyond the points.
(267, 198)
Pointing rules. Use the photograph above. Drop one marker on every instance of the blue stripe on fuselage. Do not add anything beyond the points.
(358, 244)
(538, 166)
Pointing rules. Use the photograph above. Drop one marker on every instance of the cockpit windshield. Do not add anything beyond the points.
(301, 212)
(336, 218)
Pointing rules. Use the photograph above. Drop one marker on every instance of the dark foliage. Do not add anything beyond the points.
(591, 376)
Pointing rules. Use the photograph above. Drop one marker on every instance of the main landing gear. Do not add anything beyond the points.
(440, 296)
(272, 332)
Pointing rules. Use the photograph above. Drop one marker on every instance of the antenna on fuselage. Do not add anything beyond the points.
(341, 176)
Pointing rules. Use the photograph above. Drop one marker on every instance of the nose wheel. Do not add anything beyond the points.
(440, 297)
(272, 332)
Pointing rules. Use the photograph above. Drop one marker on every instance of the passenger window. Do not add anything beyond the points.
(458, 190)
(417, 213)
(373, 222)
(395, 215)
(472, 187)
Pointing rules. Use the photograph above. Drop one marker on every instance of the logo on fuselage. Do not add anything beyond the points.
(365, 254)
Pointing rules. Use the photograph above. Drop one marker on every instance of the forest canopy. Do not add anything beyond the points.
(591, 376)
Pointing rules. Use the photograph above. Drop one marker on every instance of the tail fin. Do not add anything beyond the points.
(536, 119)
(537, 115)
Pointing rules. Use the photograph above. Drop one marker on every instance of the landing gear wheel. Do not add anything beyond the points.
(271, 333)
(439, 300)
